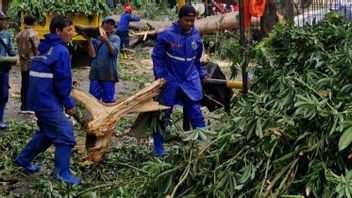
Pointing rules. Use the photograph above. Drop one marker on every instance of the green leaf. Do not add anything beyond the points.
(345, 139)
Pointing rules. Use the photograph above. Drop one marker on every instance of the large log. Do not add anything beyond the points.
(99, 120)
(209, 24)
(8, 61)
(144, 24)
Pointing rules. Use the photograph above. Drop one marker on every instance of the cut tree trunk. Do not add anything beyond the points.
(276, 11)
(99, 120)
(8, 61)
(144, 24)
(209, 24)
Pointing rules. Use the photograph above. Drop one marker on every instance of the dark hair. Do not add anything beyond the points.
(30, 20)
(186, 10)
(59, 22)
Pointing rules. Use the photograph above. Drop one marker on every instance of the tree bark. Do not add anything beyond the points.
(276, 11)
(99, 120)
(209, 24)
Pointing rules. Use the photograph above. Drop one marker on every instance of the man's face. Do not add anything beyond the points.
(2, 24)
(109, 26)
(187, 22)
(66, 33)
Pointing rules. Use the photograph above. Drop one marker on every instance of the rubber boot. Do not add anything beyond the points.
(39, 143)
(3, 125)
(158, 144)
(62, 165)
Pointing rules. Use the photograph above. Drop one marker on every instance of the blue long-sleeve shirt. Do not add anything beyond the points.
(176, 58)
(125, 20)
(104, 65)
(50, 78)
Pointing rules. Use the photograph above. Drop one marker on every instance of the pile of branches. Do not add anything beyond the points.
(289, 137)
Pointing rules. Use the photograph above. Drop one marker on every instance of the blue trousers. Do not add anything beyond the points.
(55, 128)
(193, 111)
(103, 90)
(4, 92)
(125, 39)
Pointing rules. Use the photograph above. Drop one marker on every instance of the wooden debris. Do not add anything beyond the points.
(99, 119)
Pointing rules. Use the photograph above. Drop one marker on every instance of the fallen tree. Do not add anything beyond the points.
(144, 25)
(99, 120)
(291, 136)
(209, 24)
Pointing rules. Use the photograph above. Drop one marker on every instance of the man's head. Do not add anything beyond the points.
(109, 24)
(3, 17)
(187, 17)
(128, 9)
(62, 26)
(30, 20)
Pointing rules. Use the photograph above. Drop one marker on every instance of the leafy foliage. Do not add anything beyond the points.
(288, 137)
(291, 129)
(41, 8)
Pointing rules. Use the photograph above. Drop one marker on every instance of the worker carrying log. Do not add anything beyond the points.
(176, 58)
(50, 86)
(104, 52)
(122, 28)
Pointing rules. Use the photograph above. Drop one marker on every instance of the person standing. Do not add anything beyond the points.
(176, 58)
(27, 42)
(103, 69)
(6, 49)
(49, 93)
(122, 28)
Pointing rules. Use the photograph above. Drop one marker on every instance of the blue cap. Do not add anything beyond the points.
(108, 18)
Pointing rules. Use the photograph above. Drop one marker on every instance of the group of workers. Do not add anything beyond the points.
(48, 79)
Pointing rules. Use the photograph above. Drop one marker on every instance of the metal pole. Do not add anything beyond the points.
(243, 44)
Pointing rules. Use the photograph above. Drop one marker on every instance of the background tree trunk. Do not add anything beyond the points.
(276, 11)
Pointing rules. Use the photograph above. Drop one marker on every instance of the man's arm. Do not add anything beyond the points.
(18, 43)
(36, 40)
(134, 19)
(108, 44)
(91, 50)
(116, 42)
(202, 72)
(63, 80)
(10, 50)
(159, 56)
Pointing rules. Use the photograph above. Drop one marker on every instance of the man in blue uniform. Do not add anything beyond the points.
(122, 28)
(6, 49)
(176, 58)
(50, 86)
(103, 69)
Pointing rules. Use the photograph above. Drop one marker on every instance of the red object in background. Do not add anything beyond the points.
(128, 9)
(257, 7)
(236, 7)
(246, 14)
(251, 8)
(219, 7)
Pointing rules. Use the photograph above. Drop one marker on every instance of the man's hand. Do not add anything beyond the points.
(70, 111)
(75, 83)
(85, 36)
(205, 77)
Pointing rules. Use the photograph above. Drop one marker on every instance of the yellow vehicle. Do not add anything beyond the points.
(78, 49)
